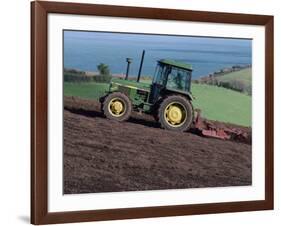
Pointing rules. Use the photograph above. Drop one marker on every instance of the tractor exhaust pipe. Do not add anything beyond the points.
(142, 58)
(129, 61)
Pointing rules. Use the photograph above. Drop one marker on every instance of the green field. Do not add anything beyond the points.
(216, 103)
(88, 90)
(244, 75)
(222, 104)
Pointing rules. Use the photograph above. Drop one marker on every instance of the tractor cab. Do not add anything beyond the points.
(171, 77)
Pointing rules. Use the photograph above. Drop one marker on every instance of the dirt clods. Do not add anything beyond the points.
(102, 155)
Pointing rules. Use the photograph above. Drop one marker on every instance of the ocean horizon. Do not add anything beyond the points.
(84, 50)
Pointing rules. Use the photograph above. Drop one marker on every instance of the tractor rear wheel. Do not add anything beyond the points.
(117, 106)
(175, 113)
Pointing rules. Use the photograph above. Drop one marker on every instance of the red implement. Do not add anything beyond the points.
(209, 129)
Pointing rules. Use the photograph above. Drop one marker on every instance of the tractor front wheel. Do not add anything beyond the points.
(175, 113)
(117, 106)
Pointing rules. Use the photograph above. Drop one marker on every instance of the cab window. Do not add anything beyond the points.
(177, 79)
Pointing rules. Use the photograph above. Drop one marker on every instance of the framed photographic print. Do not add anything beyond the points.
(147, 112)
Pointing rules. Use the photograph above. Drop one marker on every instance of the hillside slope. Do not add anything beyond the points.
(222, 104)
(244, 75)
(102, 155)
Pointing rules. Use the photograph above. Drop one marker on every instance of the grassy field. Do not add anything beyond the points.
(88, 90)
(216, 103)
(222, 104)
(244, 75)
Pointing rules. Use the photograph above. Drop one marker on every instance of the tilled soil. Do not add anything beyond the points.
(101, 155)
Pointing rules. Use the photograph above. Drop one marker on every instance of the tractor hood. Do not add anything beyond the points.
(131, 84)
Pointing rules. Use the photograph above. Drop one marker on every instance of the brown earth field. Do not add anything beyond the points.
(102, 155)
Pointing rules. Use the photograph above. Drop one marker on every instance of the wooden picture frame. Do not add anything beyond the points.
(39, 112)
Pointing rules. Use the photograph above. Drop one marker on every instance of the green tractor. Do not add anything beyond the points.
(168, 98)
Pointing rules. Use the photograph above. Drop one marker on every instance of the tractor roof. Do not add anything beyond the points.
(176, 64)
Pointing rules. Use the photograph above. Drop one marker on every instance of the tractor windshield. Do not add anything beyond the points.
(159, 75)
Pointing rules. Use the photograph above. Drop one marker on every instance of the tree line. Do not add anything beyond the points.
(73, 75)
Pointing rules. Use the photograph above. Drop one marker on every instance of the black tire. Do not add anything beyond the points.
(186, 115)
(108, 104)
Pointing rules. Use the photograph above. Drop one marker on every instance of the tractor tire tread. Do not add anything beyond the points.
(127, 102)
(184, 101)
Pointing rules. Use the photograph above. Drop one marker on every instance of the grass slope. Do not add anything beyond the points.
(216, 103)
(87, 90)
(244, 75)
(222, 104)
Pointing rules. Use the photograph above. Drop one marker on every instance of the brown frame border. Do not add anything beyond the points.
(39, 107)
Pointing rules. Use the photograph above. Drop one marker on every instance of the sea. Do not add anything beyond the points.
(84, 50)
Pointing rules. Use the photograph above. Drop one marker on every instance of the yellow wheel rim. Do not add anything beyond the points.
(175, 114)
(116, 107)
